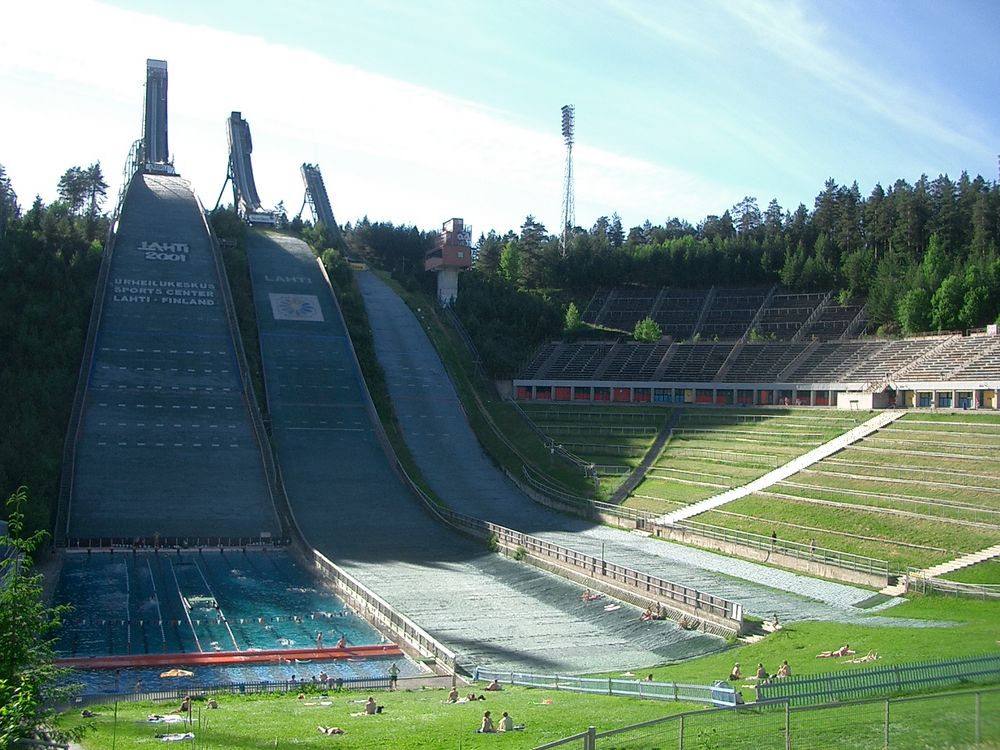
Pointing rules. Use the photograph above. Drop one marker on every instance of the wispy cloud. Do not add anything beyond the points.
(793, 34)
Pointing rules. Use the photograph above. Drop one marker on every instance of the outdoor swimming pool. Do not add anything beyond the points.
(148, 679)
(146, 602)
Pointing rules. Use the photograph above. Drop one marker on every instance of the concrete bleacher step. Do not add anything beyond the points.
(783, 472)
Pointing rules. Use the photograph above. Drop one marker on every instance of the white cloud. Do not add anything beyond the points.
(387, 148)
(788, 32)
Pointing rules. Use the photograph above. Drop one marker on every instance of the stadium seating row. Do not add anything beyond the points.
(727, 314)
(933, 358)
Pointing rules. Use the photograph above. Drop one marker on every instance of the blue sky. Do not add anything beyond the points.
(417, 111)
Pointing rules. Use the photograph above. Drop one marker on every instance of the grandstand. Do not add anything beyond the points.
(759, 347)
(611, 442)
(167, 445)
(727, 314)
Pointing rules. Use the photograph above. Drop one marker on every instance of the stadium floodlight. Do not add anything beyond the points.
(568, 203)
(568, 116)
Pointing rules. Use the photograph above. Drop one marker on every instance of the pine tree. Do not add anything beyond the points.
(29, 679)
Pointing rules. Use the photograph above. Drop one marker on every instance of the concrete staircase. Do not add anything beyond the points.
(783, 472)
(961, 562)
(946, 567)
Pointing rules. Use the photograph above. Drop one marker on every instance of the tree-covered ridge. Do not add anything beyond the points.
(49, 259)
(926, 256)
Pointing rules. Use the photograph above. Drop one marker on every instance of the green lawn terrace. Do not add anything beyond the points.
(986, 572)
(922, 491)
(614, 439)
(713, 450)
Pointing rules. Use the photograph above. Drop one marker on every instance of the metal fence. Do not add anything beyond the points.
(881, 680)
(808, 552)
(931, 585)
(722, 612)
(382, 615)
(715, 695)
(948, 720)
(336, 684)
(798, 550)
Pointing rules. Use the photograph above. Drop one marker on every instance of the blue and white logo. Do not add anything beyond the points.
(296, 307)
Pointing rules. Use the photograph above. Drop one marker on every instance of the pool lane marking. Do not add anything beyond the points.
(187, 614)
(156, 600)
(128, 606)
(222, 615)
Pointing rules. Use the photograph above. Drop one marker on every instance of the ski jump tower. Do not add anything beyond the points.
(154, 155)
(452, 253)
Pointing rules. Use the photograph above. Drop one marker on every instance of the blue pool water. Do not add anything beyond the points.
(148, 602)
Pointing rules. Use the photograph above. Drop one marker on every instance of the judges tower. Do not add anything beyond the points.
(452, 253)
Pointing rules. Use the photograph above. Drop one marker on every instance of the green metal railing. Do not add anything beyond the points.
(881, 680)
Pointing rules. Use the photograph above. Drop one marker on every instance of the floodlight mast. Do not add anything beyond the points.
(568, 205)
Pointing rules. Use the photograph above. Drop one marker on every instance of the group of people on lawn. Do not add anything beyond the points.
(760, 675)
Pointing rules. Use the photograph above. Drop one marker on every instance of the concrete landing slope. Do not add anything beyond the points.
(782, 473)
(166, 445)
(356, 511)
(444, 445)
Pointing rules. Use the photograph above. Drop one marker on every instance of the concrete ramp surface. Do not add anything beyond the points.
(166, 445)
(355, 510)
(454, 464)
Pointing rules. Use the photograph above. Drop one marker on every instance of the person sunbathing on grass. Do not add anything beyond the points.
(331, 730)
(870, 656)
(842, 651)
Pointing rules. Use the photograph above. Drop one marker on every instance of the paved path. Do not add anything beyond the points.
(443, 444)
(783, 472)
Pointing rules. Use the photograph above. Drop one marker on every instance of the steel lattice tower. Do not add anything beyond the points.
(568, 203)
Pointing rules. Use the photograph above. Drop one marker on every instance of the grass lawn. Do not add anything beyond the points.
(987, 571)
(421, 719)
(973, 631)
(411, 720)
(841, 528)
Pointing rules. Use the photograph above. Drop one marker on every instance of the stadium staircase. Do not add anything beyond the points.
(636, 477)
(960, 562)
(813, 317)
(783, 472)
(758, 316)
(856, 324)
(709, 299)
